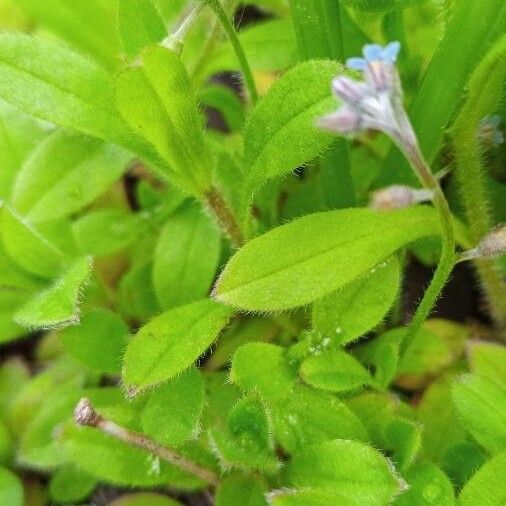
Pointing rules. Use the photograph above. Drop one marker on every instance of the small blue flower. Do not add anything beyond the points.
(375, 52)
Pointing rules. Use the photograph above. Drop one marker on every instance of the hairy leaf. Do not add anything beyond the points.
(333, 249)
(11, 488)
(357, 307)
(171, 342)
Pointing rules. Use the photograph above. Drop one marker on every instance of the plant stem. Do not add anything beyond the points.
(224, 216)
(175, 40)
(85, 414)
(447, 259)
(229, 29)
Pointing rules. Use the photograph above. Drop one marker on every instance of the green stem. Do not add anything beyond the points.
(447, 259)
(229, 29)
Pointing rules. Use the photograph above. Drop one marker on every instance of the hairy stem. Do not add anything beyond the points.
(175, 40)
(229, 29)
(224, 216)
(447, 259)
(85, 414)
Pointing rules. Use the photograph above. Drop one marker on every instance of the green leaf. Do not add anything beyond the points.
(485, 487)
(348, 468)
(333, 249)
(172, 414)
(226, 101)
(246, 441)
(237, 490)
(157, 100)
(171, 342)
(69, 484)
(264, 368)
(140, 25)
(280, 133)
(11, 489)
(186, 257)
(144, 499)
(44, 78)
(488, 359)
(98, 341)
(356, 308)
(311, 416)
(481, 405)
(102, 233)
(309, 498)
(59, 304)
(14, 375)
(335, 371)
(27, 247)
(461, 461)
(66, 173)
(428, 485)
(86, 25)
(19, 134)
(114, 461)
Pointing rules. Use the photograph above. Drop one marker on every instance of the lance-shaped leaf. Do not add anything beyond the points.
(348, 468)
(144, 499)
(488, 359)
(240, 490)
(66, 173)
(59, 304)
(171, 342)
(140, 25)
(309, 498)
(157, 100)
(332, 249)
(69, 484)
(186, 257)
(280, 133)
(356, 308)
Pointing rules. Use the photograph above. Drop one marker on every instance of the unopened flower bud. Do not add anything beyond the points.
(398, 197)
(345, 120)
(349, 90)
(489, 132)
(85, 414)
(491, 246)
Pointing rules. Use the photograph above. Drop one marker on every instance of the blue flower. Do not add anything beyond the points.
(375, 53)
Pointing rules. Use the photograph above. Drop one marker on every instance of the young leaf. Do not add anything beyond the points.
(309, 498)
(280, 133)
(461, 461)
(237, 490)
(64, 174)
(157, 100)
(186, 257)
(69, 484)
(348, 468)
(11, 488)
(428, 485)
(333, 249)
(171, 342)
(246, 441)
(485, 486)
(356, 308)
(481, 405)
(310, 416)
(172, 414)
(98, 341)
(86, 25)
(335, 371)
(59, 304)
(27, 247)
(140, 25)
(264, 368)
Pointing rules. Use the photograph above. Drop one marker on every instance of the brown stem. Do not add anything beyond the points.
(224, 215)
(85, 414)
